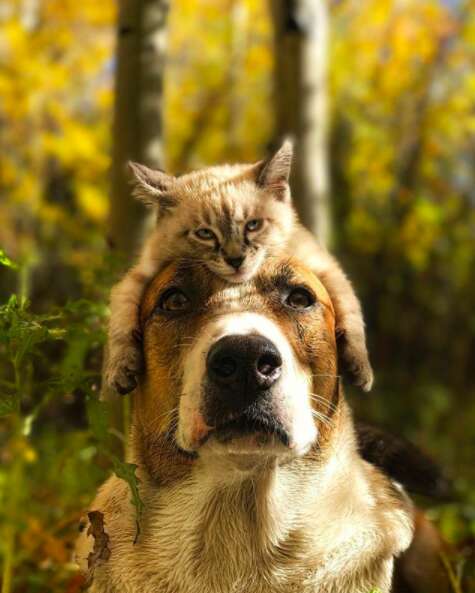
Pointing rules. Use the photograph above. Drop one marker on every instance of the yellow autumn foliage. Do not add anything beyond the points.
(401, 73)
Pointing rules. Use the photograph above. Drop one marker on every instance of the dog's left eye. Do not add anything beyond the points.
(174, 301)
(300, 298)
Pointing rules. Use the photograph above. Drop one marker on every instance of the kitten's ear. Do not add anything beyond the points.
(152, 186)
(274, 172)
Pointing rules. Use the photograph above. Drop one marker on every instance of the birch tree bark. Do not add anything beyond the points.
(137, 128)
(301, 43)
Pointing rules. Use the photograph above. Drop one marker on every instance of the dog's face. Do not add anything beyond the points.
(238, 370)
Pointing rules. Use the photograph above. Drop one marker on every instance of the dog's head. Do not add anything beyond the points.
(237, 370)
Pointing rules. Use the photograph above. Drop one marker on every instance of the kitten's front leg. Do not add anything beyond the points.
(351, 333)
(124, 357)
(350, 327)
(124, 362)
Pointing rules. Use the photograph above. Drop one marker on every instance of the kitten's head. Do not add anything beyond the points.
(229, 216)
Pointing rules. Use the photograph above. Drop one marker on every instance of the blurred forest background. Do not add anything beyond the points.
(380, 96)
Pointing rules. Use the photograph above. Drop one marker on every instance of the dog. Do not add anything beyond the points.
(246, 452)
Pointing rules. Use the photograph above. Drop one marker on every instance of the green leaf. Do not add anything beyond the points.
(6, 261)
(126, 471)
(97, 412)
(22, 331)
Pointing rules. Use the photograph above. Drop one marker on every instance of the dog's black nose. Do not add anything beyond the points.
(244, 363)
(234, 262)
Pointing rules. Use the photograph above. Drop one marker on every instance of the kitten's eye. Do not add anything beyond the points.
(254, 225)
(300, 298)
(205, 234)
(174, 300)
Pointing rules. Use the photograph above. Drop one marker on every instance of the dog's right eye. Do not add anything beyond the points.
(174, 300)
(300, 298)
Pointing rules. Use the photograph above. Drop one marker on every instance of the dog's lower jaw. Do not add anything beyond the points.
(217, 444)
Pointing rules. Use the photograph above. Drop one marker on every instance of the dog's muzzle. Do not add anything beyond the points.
(244, 386)
(241, 371)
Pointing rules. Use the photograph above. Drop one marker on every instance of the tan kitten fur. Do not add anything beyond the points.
(224, 199)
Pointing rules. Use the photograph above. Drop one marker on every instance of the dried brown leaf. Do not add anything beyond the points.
(101, 551)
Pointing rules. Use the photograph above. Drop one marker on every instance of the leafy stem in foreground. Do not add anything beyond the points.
(98, 415)
(454, 581)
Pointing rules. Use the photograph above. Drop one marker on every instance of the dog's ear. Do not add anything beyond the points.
(152, 187)
(273, 173)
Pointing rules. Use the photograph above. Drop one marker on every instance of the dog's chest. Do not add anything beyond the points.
(215, 546)
(191, 542)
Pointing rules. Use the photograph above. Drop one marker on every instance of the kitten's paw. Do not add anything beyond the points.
(123, 366)
(356, 360)
(362, 374)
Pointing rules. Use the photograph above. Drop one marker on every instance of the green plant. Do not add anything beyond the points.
(46, 357)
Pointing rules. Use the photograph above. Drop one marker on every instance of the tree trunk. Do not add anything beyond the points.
(237, 15)
(137, 129)
(301, 39)
(136, 134)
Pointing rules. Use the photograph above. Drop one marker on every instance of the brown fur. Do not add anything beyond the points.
(420, 569)
(224, 199)
(321, 522)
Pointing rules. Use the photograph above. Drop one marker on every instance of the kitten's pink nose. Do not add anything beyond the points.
(234, 262)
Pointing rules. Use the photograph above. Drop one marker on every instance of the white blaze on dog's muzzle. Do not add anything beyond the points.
(241, 377)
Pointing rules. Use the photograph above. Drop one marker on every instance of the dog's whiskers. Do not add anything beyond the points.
(326, 375)
(322, 418)
(318, 398)
(172, 413)
(167, 413)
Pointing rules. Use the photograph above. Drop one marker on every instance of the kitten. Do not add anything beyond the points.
(230, 217)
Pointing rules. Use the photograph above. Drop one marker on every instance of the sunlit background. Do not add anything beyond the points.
(401, 87)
